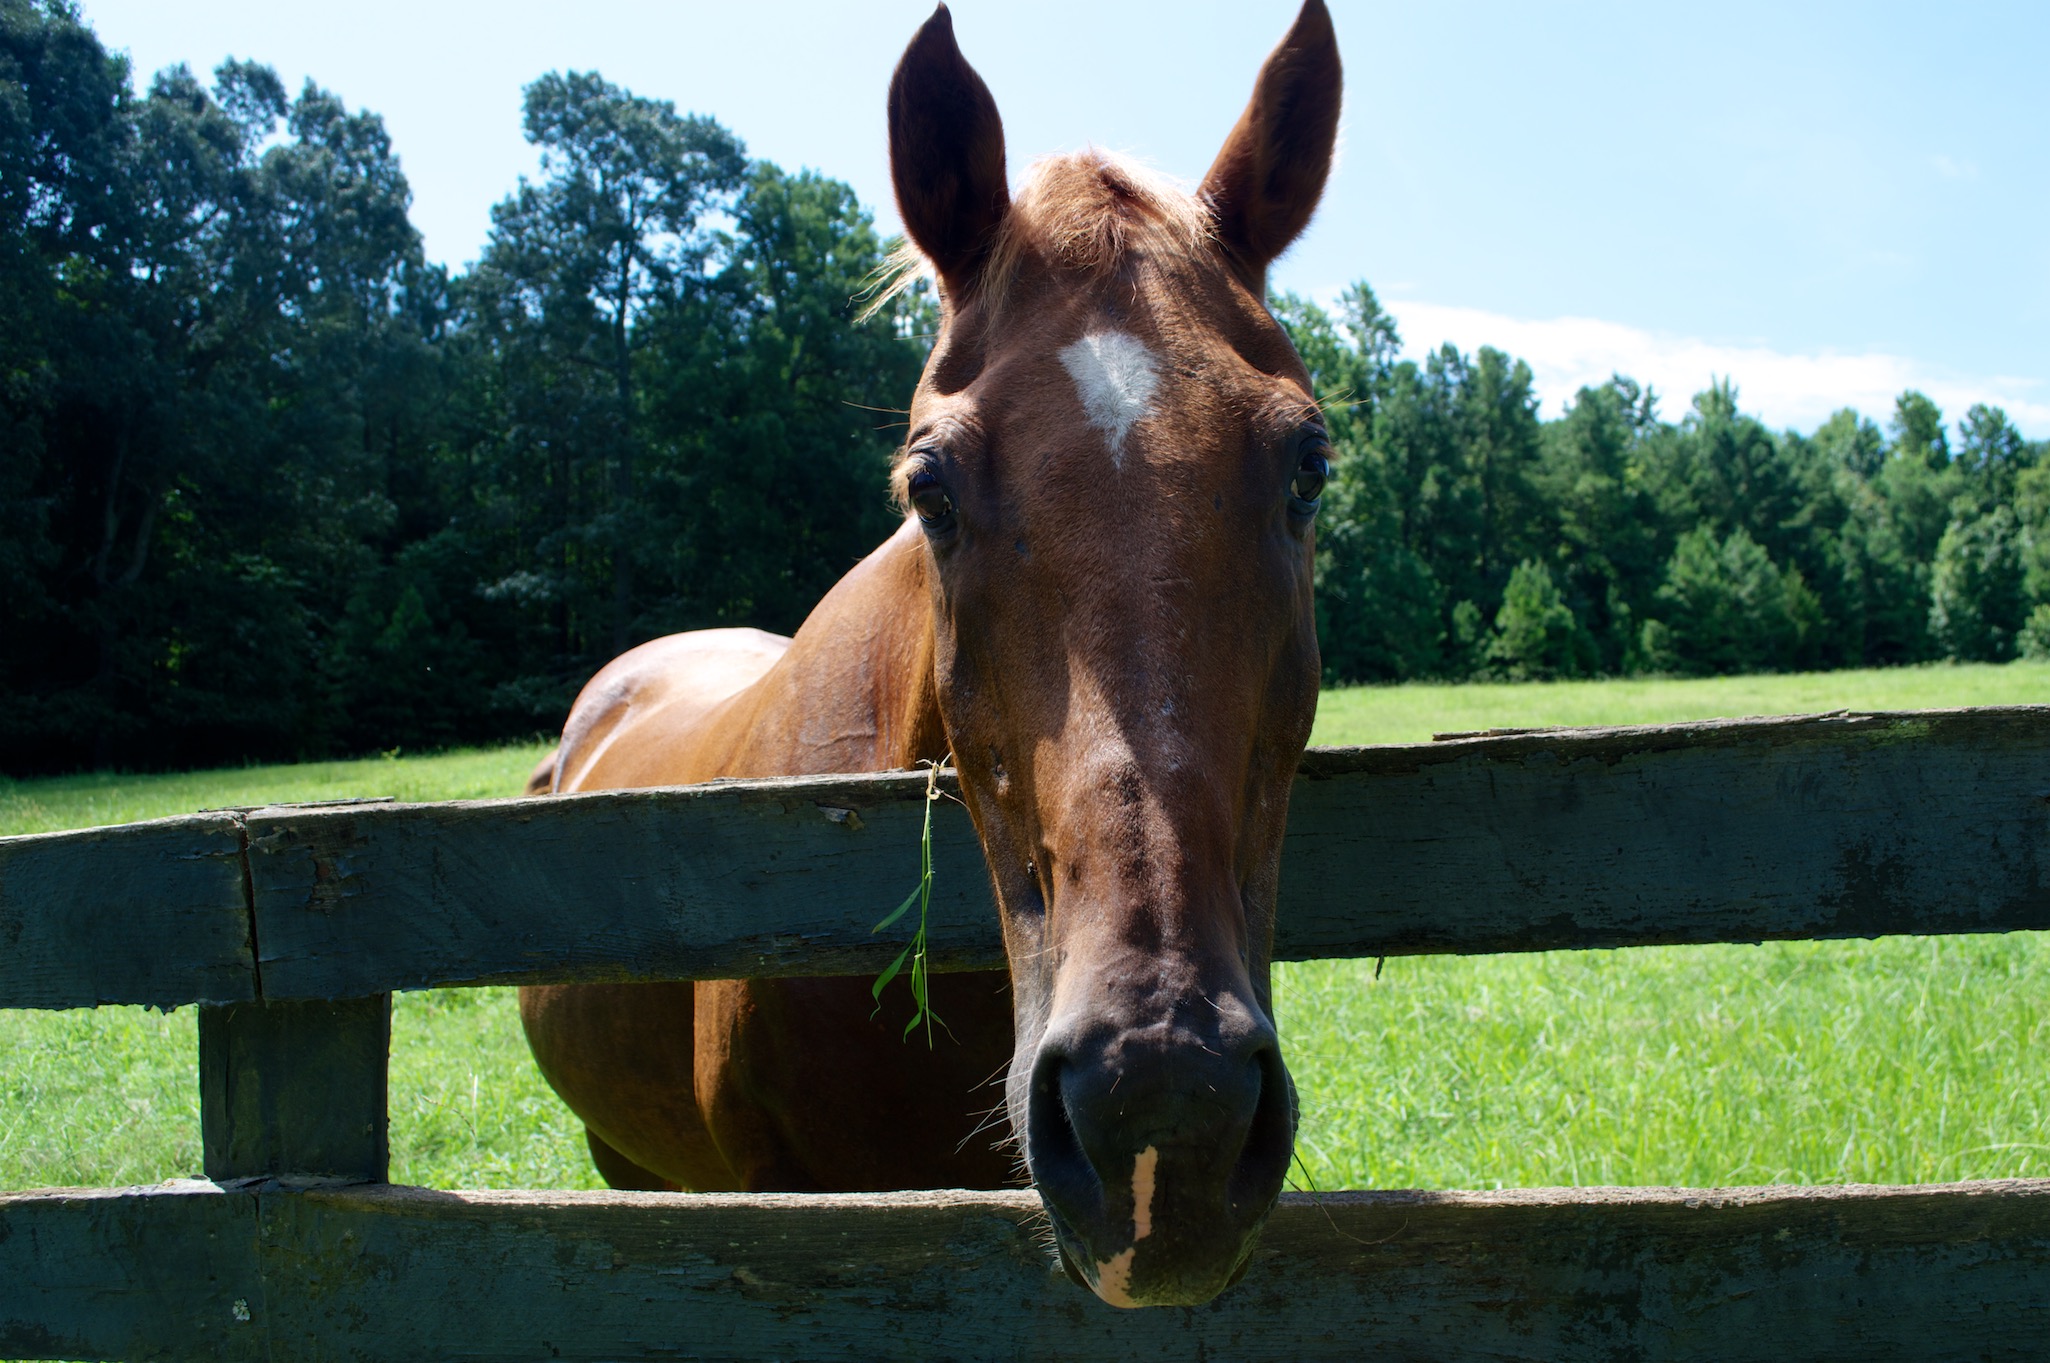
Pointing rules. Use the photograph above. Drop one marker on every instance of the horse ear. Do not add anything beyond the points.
(946, 153)
(1266, 181)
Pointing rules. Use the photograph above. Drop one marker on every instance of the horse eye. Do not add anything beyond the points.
(1310, 475)
(928, 498)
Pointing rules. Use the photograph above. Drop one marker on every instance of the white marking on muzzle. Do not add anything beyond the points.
(1116, 376)
(1142, 1192)
(1114, 1275)
(1114, 1278)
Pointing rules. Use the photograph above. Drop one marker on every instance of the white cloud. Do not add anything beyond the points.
(1783, 389)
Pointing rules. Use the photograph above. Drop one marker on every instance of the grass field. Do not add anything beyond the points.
(1905, 1060)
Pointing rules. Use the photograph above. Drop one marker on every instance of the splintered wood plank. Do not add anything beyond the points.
(153, 913)
(1823, 826)
(1935, 1273)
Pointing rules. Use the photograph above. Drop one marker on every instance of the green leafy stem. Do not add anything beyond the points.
(915, 952)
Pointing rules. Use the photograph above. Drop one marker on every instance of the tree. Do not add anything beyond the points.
(2034, 640)
(1918, 431)
(1976, 605)
(1592, 481)
(65, 135)
(1380, 612)
(1991, 454)
(2032, 521)
(1726, 607)
(764, 414)
(1725, 469)
(199, 298)
(1456, 447)
(1918, 480)
(773, 411)
(1536, 636)
(284, 262)
(614, 231)
(273, 485)
(1349, 358)
(1882, 615)
(1849, 442)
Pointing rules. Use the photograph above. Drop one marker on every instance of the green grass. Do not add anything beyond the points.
(1414, 712)
(111, 1095)
(1905, 1060)
(1908, 1060)
(43, 806)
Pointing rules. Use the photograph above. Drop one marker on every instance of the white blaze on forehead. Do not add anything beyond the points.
(1116, 376)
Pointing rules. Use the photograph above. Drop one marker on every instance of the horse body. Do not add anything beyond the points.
(656, 698)
(773, 1084)
(1100, 605)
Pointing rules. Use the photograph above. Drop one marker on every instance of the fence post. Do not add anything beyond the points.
(296, 1088)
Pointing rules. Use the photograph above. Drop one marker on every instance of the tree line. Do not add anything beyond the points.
(272, 485)
(1464, 537)
(276, 486)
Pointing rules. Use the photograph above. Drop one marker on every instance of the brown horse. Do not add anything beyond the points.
(1099, 603)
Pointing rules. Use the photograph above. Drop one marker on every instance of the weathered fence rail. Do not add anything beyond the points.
(1724, 1276)
(292, 925)
(1823, 826)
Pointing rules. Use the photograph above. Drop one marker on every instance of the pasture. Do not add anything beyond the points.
(1901, 1060)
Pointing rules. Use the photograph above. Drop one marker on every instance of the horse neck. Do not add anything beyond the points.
(856, 691)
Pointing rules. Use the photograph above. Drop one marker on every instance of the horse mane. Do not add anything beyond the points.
(1089, 211)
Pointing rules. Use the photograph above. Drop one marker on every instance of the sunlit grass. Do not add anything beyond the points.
(468, 1107)
(111, 1095)
(98, 1097)
(1910, 1059)
(1412, 713)
(1907, 1060)
(105, 1096)
(1901, 1060)
(48, 804)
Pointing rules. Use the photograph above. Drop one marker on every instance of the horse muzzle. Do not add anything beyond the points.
(1159, 1151)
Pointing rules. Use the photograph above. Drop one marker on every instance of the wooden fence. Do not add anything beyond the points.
(290, 927)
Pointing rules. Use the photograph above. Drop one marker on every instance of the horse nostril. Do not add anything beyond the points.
(1203, 1132)
(1270, 1138)
(1053, 1149)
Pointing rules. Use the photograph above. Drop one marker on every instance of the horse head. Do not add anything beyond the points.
(1115, 459)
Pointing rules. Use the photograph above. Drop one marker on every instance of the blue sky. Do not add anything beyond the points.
(1824, 202)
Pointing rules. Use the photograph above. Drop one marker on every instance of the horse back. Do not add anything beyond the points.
(634, 723)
